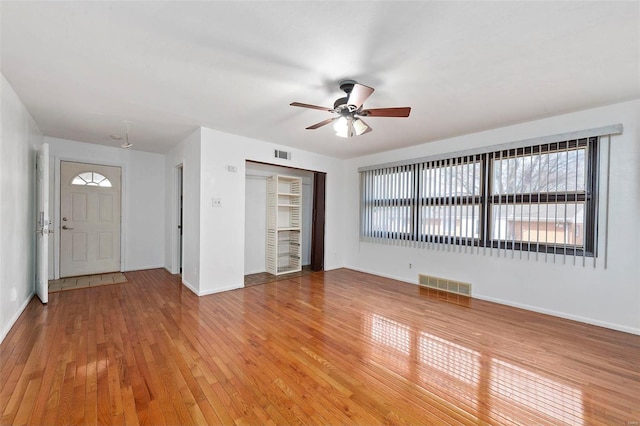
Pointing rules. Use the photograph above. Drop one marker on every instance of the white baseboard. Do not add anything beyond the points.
(143, 268)
(392, 277)
(13, 319)
(190, 287)
(219, 290)
(558, 314)
(207, 292)
(334, 267)
(255, 272)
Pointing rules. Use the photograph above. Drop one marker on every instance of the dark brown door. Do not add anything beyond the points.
(317, 227)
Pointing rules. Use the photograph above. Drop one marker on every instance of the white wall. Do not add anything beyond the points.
(255, 226)
(143, 202)
(19, 141)
(222, 228)
(608, 297)
(187, 154)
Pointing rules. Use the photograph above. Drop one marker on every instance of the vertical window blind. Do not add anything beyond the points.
(539, 200)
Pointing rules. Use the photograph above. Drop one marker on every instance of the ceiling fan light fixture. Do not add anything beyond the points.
(343, 133)
(340, 124)
(348, 127)
(359, 126)
(344, 127)
(126, 144)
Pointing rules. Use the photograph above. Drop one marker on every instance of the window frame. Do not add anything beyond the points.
(93, 182)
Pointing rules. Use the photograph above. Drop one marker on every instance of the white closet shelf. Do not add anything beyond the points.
(288, 255)
(284, 228)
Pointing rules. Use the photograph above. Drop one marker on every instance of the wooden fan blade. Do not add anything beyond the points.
(301, 105)
(322, 123)
(359, 94)
(387, 112)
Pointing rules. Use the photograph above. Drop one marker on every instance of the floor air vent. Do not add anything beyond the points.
(444, 285)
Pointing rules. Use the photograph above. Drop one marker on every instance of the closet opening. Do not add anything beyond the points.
(285, 236)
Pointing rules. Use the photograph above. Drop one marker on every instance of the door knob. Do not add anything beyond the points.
(66, 227)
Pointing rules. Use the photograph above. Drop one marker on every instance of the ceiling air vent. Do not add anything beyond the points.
(285, 155)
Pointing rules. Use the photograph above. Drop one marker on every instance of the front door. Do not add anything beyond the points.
(90, 219)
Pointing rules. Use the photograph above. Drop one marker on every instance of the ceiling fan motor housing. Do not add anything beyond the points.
(347, 86)
(340, 102)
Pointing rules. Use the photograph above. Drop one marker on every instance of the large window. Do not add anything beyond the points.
(538, 199)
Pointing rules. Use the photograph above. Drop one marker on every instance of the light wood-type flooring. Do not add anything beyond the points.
(265, 277)
(339, 347)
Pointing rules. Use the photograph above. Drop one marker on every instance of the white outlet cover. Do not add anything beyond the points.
(216, 202)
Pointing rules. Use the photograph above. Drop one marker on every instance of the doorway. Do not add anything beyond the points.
(90, 200)
(180, 207)
(312, 215)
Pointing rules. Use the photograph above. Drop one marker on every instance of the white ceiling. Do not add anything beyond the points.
(81, 68)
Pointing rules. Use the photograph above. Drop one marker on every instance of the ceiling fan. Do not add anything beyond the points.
(349, 109)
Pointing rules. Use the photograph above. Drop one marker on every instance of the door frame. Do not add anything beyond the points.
(318, 206)
(56, 206)
(318, 220)
(178, 190)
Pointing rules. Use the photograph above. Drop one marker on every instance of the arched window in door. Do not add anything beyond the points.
(91, 179)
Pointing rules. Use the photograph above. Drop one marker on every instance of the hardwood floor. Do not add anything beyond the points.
(339, 347)
(265, 277)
